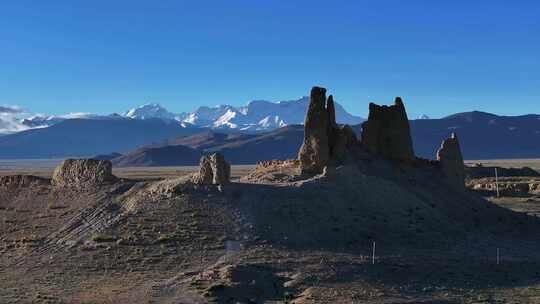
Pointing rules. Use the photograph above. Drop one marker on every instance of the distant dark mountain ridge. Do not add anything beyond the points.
(237, 148)
(159, 156)
(87, 137)
(109, 156)
(482, 136)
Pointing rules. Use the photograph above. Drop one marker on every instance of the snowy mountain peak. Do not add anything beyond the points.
(149, 111)
(257, 115)
(41, 121)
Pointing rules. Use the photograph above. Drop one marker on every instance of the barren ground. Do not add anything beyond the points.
(134, 242)
(507, 163)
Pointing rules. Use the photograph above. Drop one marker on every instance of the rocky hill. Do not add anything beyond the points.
(343, 222)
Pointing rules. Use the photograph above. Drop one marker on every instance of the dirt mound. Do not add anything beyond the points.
(243, 283)
(360, 204)
(274, 171)
(82, 173)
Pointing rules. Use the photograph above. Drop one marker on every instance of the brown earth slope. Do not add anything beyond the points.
(271, 236)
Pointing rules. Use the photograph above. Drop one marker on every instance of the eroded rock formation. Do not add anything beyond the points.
(451, 161)
(82, 173)
(315, 152)
(213, 170)
(325, 143)
(387, 132)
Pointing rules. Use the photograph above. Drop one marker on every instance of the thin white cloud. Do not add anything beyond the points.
(10, 110)
(77, 115)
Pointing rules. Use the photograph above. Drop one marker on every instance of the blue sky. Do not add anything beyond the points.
(107, 56)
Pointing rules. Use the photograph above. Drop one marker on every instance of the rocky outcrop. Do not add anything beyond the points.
(387, 132)
(534, 187)
(451, 161)
(277, 164)
(213, 170)
(511, 186)
(21, 181)
(325, 143)
(82, 173)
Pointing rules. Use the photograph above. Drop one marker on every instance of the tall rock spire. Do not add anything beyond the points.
(315, 152)
(325, 143)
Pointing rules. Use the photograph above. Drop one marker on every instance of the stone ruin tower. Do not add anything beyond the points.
(451, 161)
(325, 143)
(213, 170)
(82, 173)
(387, 132)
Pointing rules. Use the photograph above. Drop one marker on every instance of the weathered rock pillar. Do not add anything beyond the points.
(325, 143)
(315, 153)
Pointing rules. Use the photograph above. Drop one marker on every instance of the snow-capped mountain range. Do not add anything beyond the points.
(258, 115)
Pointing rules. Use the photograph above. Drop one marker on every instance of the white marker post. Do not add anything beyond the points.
(373, 255)
(497, 182)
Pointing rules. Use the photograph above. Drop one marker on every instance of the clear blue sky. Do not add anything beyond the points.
(99, 56)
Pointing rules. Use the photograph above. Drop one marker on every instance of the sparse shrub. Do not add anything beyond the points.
(288, 297)
(164, 239)
(215, 287)
(55, 206)
(101, 238)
